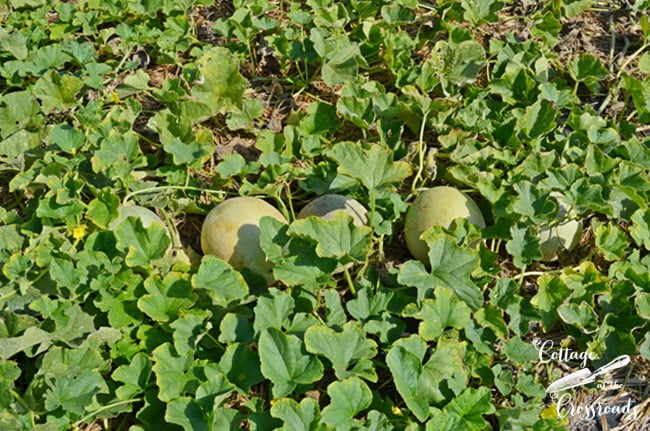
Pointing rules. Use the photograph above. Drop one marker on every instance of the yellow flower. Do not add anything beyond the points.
(79, 232)
(115, 97)
(549, 412)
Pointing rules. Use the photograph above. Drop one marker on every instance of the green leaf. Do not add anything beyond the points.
(9, 372)
(446, 369)
(67, 138)
(342, 65)
(589, 70)
(491, 317)
(214, 389)
(170, 369)
(611, 241)
(241, 366)
(133, 83)
(524, 247)
(187, 413)
(188, 331)
(14, 42)
(464, 412)
(478, 12)
(285, 363)
(166, 298)
(274, 311)
(551, 292)
(303, 416)
(642, 303)
(575, 7)
(33, 336)
(134, 376)
(644, 348)
(442, 312)
(547, 28)
(75, 393)
(420, 385)
(103, 209)
(644, 63)
(585, 282)
(532, 203)
(503, 379)
(143, 245)
(458, 64)
(349, 351)
(451, 267)
(235, 327)
(338, 238)
(222, 86)
(223, 284)
(57, 91)
(187, 145)
(581, 316)
(375, 167)
(526, 385)
(640, 229)
(231, 165)
(407, 372)
(296, 260)
(519, 351)
(538, 119)
(347, 398)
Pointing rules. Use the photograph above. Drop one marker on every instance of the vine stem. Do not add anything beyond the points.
(106, 407)
(418, 175)
(348, 278)
(157, 188)
(615, 88)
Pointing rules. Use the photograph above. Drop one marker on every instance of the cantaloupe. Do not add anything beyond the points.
(438, 206)
(231, 231)
(327, 206)
(563, 236)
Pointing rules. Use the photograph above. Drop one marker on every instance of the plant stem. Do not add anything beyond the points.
(348, 278)
(421, 154)
(157, 188)
(106, 407)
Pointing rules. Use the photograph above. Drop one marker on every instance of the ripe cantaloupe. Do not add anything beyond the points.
(231, 231)
(327, 206)
(438, 206)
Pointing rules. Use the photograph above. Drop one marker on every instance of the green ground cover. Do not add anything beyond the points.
(533, 109)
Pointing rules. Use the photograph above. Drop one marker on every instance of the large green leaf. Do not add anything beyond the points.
(338, 238)
(285, 362)
(303, 416)
(374, 167)
(349, 351)
(451, 267)
(464, 412)
(143, 245)
(222, 86)
(166, 298)
(444, 311)
(224, 285)
(347, 398)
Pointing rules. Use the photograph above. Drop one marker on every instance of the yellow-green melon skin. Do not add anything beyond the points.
(146, 216)
(563, 236)
(566, 235)
(327, 206)
(231, 232)
(438, 206)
